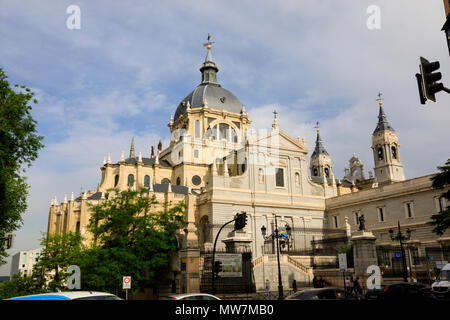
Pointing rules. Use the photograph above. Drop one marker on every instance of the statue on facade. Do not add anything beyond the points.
(362, 225)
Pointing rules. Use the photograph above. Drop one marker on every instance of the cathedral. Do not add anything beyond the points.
(219, 166)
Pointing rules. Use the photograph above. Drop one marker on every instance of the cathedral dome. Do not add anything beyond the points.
(209, 92)
(215, 97)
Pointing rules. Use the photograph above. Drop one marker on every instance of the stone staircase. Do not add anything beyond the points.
(266, 267)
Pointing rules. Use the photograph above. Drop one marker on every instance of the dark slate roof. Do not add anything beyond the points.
(319, 179)
(216, 97)
(149, 161)
(210, 90)
(383, 124)
(164, 187)
(319, 149)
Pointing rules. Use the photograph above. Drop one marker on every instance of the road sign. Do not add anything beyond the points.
(231, 264)
(342, 262)
(126, 283)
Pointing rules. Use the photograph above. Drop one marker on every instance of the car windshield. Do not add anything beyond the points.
(444, 276)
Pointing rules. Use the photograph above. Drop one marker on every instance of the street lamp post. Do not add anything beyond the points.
(401, 237)
(277, 236)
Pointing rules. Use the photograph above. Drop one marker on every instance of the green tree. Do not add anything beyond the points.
(20, 286)
(441, 220)
(131, 238)
(60, 251)
(19, 146)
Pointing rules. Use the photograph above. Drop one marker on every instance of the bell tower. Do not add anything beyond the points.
(386, 150)
(321, 165)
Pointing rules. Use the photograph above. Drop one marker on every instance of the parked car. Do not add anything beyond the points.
(441, 287)
(193, 296)
(401, 290)
(322, 294)
(69, 295)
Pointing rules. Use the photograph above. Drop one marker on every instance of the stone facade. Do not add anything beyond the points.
(219, 166)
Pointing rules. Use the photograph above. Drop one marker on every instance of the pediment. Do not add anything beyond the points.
(283, 141)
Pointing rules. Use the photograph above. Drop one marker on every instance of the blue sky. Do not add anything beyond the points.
(124, 72)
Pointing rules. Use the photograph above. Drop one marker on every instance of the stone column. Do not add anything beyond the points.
(364, 254)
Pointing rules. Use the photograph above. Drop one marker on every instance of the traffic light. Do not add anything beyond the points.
(240, 221)
(429, 85)
(8, 240)
(217, 267)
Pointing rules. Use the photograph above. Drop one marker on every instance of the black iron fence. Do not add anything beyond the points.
(421, 266)
(224, 285)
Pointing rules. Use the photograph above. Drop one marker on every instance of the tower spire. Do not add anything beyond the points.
(209, 68)
(319, 149)
(132, 155)
(382, 124)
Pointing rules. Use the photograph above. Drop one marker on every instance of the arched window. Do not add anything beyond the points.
(394, 152)
(327, 172)
(165, 181)
(178, 181)
(116, 180)
(222, 131)
(297, 179)
(130, 180)
(147, 181)
(380, 153)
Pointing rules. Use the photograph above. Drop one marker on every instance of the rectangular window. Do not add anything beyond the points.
(279, 177)
(195, 153)
(197, 128)
(381, 214)
(409, 209)
(335, 220)
(441, 204)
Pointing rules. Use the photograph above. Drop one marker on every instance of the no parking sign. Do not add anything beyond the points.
(126, 283)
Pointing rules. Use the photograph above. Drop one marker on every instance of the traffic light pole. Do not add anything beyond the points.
(213, 256)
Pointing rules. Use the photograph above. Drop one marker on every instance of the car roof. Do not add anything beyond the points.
(183, 295)
(66, 295)
(312, 290)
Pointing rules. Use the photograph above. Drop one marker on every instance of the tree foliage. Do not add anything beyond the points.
(131, 238)
(441, 220)
(60, 251)
(20, 286)
(19, 146)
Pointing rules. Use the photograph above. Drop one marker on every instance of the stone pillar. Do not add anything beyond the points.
(238, 241)
(189, 254)
(364, 254)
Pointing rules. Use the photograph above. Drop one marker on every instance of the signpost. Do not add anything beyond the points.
(126, 285)
(343, 265)
(231, 264)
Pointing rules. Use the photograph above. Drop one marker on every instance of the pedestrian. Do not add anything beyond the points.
(321, 283)
(267, 287)
(315, 282)
(294, 285)
(357, 287)
(347, 285)
(352, 289)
